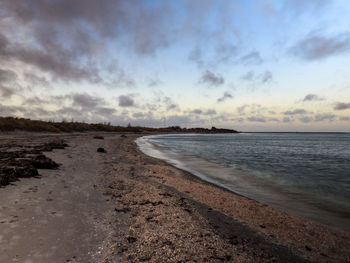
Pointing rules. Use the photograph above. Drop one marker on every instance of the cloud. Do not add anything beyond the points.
(319, 47)
(227, 95)
(7, 82)
(266, 77)
(7, 76)
(249, 76)
(306, 119)
(344, 118)
(312, 97)
(295, 112)
(154, 82)
(242, 108)
(225, 52)
(342, 106)
(203, 112)
(6, 92)
(256, 119)
(196, 56)
(70, 40)
(325, 117)
(36, 80)
(126, 101)
(105, 111)
(211, 79)
(252, 58)
(287, 120)
(87, 101)
(263, 78)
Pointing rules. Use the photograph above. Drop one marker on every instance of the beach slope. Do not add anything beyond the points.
(123, 206)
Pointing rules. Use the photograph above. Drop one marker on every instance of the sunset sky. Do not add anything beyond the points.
(250, 65)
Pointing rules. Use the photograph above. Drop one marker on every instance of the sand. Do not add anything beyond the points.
(124, 206)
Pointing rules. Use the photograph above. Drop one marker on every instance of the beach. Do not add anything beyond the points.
(123, 206)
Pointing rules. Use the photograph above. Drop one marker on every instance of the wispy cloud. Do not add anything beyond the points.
(319, 47)
(227, 95)
(295, 112)
(211, 79)
(342, 106)
(252, 58)
(262, 78)
(312, 97)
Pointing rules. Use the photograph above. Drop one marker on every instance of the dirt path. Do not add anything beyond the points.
(60, 217)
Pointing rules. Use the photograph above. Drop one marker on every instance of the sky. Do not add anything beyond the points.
(249, 65)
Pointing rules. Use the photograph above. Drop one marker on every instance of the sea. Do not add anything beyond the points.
(306, 174)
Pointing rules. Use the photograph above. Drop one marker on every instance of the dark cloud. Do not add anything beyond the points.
(105, 111)
(222, 53)
(318, 47)
(227, 95)
(252, 58)
(266, 77)
(344, 118)
(211, 79)
(287, 120)
(51, 58)
(306, 119)
(7, 83)
(263, 78)
(13, 111)
(196, 56)
(126, 101)
(325, 117)
(163, 102)
(69, 39)
(312, 97)
(35, 101)
(7, 76)
(118, 78)
(251, 110)
(169, 103)
(225, 53)
(242, 108)
(36, 80)
(6, 92)
(203, 112)
(85, 100)
(342, 106)
(197, 111)
(295, 112)
(256, 119)
(172, 107)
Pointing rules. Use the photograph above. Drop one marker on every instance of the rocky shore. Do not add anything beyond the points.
(123, 206)
(21, 158)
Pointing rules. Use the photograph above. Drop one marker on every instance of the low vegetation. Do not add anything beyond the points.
(21, 124)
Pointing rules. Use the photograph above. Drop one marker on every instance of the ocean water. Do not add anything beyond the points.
(306, 174)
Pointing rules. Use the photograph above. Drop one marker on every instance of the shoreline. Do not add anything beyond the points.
(151, 211)
(203, 170)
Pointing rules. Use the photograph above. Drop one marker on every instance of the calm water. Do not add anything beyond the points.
(307, 174)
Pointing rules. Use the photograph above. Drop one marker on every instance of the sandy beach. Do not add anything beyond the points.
(123, 206)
